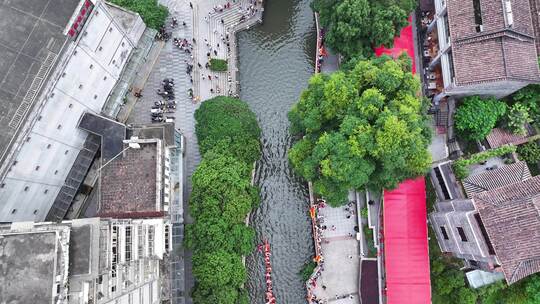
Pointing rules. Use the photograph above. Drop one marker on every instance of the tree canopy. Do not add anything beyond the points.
(221, 198)
(228, 125)
(362, 127)
(475, 118)
(354, 27)
(152, 13)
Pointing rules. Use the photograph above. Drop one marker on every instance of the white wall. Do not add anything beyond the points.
(87, 73)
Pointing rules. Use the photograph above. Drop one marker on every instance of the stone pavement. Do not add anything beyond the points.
(338, 282)
(211, 29)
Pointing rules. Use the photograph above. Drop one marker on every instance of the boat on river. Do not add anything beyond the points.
(264, 248)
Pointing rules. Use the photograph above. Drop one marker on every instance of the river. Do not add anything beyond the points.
(275, 62)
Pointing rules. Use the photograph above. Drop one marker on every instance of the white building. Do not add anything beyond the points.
(39, 157)
(84, 261)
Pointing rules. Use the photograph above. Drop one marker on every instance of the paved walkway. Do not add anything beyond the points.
(338, 278)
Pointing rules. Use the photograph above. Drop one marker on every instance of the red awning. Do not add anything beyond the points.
(406, 244)
(403, 43)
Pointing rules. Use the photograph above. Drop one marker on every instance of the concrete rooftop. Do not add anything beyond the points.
(27, 264)
(31, 30)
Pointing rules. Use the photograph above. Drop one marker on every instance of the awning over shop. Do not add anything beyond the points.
(406, 244)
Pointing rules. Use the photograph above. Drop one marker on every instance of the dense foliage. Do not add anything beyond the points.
(152, 13)
(517, 117)
(363, 127)
(221, 198)
(530, 98)
(461, 165)
(529, 152)
(354, 27)
(227, 125)
(218, 65)
(475, 118)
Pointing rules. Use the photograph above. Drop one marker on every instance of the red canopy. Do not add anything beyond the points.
(403, 43)
(406, 245)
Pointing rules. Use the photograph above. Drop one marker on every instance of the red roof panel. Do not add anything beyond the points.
(406, 244)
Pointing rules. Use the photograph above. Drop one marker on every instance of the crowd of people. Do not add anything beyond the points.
(319, 229)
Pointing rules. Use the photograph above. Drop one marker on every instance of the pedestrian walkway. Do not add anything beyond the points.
(215, 25)
(336, 279)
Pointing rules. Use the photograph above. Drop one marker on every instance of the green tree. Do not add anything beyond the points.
(529, 152)
(229, 126)
(152, 13)
(361, 127)
(475, 118)
(529, 96)
(354, 27)
(214, 270)
(222, 188)
(517, 117)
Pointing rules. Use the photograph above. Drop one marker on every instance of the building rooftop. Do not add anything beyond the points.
(510, 216)
(29, 267)
(29, 45)
(508, 48)
(500, 137)
(497, 178)
(129, 183)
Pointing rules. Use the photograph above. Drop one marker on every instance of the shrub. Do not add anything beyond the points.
(460, 165)
(529, 152)
(307, 270)
(218, 65)
(227, 126)
(517, 117)
(476, 116)
(152, 13)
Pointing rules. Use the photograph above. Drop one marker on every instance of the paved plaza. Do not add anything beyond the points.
(338, 281)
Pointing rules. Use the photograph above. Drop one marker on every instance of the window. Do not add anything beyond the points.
(477, 15)
(443, 231)
(113, 288)
(462, 234)
(128, 243)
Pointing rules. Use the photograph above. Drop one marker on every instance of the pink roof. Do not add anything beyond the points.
(403, 43)
(406, 244)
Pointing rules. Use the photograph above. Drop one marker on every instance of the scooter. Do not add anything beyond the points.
(157, 119)
(159, 103)
(156, 111)
(156, 114)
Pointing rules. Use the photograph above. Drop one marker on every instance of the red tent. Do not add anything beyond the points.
(405, 244)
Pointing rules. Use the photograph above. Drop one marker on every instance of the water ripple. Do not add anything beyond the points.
(275, 64)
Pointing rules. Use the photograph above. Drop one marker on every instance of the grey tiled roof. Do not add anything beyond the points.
(500, 177)
(512, 221)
